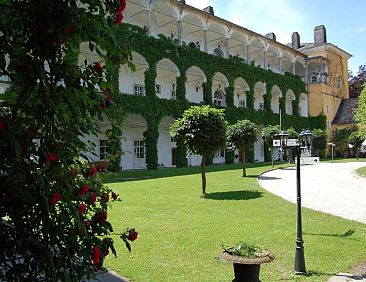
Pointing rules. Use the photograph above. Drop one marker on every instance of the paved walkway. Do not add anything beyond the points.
(333, 188)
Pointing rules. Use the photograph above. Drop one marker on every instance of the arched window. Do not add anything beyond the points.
(218, 52)
(218, 97)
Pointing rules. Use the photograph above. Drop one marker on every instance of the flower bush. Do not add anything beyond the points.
(53, 206)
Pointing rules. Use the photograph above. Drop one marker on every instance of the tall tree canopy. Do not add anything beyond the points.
(270, 133)
(203, 129)
(356, 83)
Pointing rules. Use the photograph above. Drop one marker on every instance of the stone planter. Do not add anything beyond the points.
(247, 269)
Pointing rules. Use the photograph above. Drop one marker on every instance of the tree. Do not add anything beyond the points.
(319, 142)
(270, 133)
(341, 139)
(357, 82)
(53, 207)
(240, 135)
(360, 115)
(356, 139)
(203, 130)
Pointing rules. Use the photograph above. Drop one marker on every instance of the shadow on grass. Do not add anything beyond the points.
(311, 273)
(234, 195)
(262, 177)
(346, 234)
(136, 175)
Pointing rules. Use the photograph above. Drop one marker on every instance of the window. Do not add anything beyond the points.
(328, 124)
(242, 104)
(314, 79)
(103, 145)
(139, 90)
(261, 107)
(174, 95)
(220, 154)
(327, 109)
(218, 98)
(158, 88)
(339, 82)
(218, 52)
(139, 149)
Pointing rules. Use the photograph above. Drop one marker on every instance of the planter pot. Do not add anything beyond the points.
(247, 269)
(101, 166)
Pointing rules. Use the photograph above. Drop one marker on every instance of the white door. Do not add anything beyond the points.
(139, 160)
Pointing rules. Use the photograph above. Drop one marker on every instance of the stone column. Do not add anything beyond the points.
(280, 64)
(179, 31)
(248, 55)
(293, 67)
(226, 42)
(148, 15)
(265, 60)
(205, 49)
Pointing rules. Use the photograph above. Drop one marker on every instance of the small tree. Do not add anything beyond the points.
(360, 115)
(270, 133)
(240, 135)
(356, 139)
(203, 130)
(341, 139)
(319, 142)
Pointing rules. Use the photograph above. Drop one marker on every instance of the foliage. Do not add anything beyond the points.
(269, 134)
(242, 249)
(357, 82)
(341, 139)
(240, 135)
(53, 208)
(319, 142)
(356, 139)
(360, 115)
(203, 130)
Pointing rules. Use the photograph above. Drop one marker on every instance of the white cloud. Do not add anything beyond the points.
(361, 29)
(198, 4)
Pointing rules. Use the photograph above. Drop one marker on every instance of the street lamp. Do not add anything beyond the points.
(304, 142)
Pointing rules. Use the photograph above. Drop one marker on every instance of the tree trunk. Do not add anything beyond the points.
(244, 167)
(272, 157)
(203, 174)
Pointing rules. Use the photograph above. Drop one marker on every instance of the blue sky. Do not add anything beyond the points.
(344, 20)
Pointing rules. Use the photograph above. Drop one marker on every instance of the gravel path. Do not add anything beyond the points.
(333, 188)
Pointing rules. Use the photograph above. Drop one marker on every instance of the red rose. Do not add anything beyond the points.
(114, 196)
(118, 19)
(100, 216)
(83, 190)
(105, 197)
(55, 198)
(51, 157)
(96, 255)
(82, 208)
(98, 68)
(92, 171)
(132, 235)
(74, 172)
(102, 106)
(123, 3)
(92, 198)
(1, 123)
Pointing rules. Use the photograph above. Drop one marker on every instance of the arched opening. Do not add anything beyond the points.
(290, 96)
(164, 19)
(275, 101)
(219, 82)
(167, 146)
(133, 82)
(216, 38)
(259, 92)
(166, 79)
(303, 105)
(192, 27)
(240, 89)
(195, 78)
(133, 143)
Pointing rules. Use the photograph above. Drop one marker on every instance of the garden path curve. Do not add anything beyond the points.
(333, 188)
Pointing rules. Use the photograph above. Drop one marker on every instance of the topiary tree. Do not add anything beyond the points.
(319, 142)
(356, 139)
(240, 135)
(269, 134)
(53, 207)
(203, 130)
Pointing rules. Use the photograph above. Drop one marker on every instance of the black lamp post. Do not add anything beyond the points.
(304, 142)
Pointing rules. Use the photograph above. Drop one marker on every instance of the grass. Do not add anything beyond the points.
(181, 233)
(361, 171)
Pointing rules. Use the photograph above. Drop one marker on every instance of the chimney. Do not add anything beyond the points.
(209, 10)
(295, 40)
(320, 35)
(182, 1)
(271, 35)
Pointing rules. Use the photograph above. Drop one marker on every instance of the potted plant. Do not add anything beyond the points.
(246, 260)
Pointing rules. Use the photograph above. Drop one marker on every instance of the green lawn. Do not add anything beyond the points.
(361, 171)
(181, 233)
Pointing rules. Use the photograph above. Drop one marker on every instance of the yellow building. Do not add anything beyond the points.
(327, 80)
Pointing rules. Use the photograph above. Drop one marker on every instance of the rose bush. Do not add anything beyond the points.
(53, 206)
